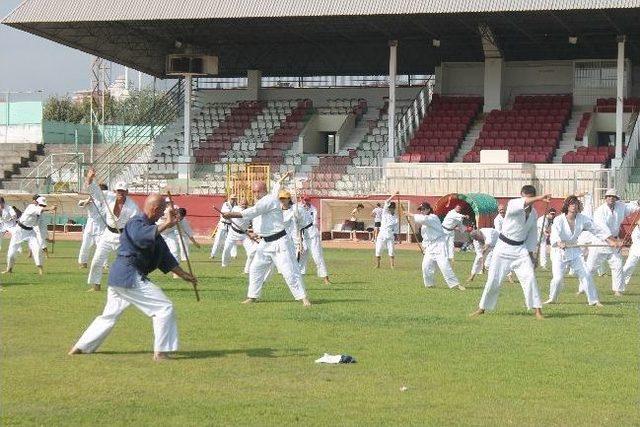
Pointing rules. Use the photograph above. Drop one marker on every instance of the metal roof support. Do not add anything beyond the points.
(619, 96)
(391, 111)
(184, 168)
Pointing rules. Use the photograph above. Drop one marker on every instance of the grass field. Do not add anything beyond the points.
(254, 365)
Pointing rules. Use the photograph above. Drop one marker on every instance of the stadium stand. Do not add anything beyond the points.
(584, 123)
(602, 155)
(608, 105)
(443, 129)
(530, 131)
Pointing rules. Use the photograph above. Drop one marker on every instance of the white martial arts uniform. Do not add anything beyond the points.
(609, 221)
(561, 259)
(497, 223)
(25, 230)
(311, 240)
(92, 230)
(450, 223)
(633, 258)
(279, 251)
(434, 242)
(171, 238)
(388, 229)
(187, 234)
(109, 240)
(221, 233)
(237, 235)
(520, 230)
(8, 219)
(544, 252)
(482, 258)
(376, 213)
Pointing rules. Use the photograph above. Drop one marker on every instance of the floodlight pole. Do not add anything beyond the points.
(619, 96)
(391, 111)
(184, 168)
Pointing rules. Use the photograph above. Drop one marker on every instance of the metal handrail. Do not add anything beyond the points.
(412, 117)
(629, 161)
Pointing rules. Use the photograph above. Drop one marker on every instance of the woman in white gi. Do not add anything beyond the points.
(388, 230)
(484, 240)
(565, 231)
(311, 239)
(25, 231)
(452, 220)
(118, 210)
(633, 257)
(434, 242)
(514, 251)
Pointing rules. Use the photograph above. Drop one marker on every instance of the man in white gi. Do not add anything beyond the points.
(93, 228)
(609, 216)
(633, 257)
(564, 239)
(223, 228)
(514, 251)
(237, 235)
(25, 231)
(434, 242)
(8, 218)
(274, 247)
(119, 209)
(388, 230)
(544, 236)
(187, 235)
(484, 240)
(452, 220)
(140, 252)
(311, 239)
(376, 214)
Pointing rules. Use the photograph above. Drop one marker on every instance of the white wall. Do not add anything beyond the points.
(21, 134)
(461, 78)
(536, 77)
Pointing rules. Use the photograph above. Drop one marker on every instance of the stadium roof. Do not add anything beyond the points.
(320, 37)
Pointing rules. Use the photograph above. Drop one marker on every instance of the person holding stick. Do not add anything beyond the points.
(141, 251)
(93, 228)
(514, 251)
(609, 216)
(311, 239)
(274, 247)
(188, 234)
(567, 253)
(237, 235)
(118, 210)
(24, 230)
(434, 243)
(544, 231)
(387, 233)
(223, 227)
(8, 218)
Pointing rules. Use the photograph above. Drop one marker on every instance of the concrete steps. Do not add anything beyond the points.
(469, 139)
(568, 138)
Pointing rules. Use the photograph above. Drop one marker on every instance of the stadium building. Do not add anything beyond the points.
(361, 98)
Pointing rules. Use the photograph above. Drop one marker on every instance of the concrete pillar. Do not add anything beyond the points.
(254, 82)
(391, 116)
(493, 68)
(619, 97)
(184, 169)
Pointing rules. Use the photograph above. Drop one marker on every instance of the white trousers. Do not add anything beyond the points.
(559, 266)
(629, 267)
(229, 246)
(381, 242)
(18, 236)
(435, 257)
(89, 239)
(281, 254)
(174, 246)
(597, 256)
(218, 242)
(451, 237)
(480, 261)
(149, 299)
(313, 245)
(502, 262)
(109, 242)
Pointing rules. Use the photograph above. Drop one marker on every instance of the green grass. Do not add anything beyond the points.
(254, 365)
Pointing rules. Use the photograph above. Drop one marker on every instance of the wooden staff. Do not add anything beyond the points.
(413, 231)
(586, 245)
(544, 220)
(239, 228)
(53, 237)
(186, 254)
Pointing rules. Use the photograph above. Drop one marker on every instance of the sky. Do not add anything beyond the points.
(31, 63)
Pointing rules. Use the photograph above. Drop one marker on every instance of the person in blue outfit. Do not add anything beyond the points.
(142, 250)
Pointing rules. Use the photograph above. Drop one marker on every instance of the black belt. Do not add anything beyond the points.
(508, 241)
(275, 237)
(306, 226)
(448, 229)
(237, 230)
(24, 226)
(115, 230)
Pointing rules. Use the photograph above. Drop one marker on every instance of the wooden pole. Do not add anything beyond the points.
(186, 253)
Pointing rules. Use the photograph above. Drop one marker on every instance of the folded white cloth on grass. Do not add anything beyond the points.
(335, 359)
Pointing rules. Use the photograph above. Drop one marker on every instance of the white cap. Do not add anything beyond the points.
(121, 185)
(611, 192)
(42, 201)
